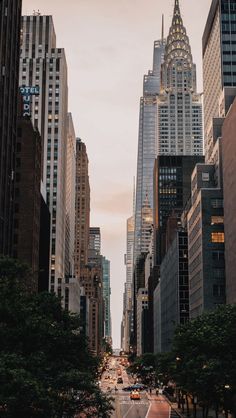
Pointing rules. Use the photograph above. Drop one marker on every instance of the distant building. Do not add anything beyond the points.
(174, 290)
(70, 197)
(157, 319)
(82, 207)
(10, 14)
(106, 297)
(91, 282)
(142, 304)
(147, 149)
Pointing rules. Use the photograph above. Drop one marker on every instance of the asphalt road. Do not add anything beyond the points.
(149, 406)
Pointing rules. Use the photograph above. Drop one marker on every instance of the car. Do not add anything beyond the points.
(135, 395)
(139, 386)
(119, 380)
(127, 388)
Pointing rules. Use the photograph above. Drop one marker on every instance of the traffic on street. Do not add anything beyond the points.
(132, 399)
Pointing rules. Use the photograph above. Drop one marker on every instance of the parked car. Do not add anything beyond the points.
(135, 395)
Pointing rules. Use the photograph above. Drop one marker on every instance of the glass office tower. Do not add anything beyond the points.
(147, 148)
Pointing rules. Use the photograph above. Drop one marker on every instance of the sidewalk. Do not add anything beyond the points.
(179, 412)
(199, 414)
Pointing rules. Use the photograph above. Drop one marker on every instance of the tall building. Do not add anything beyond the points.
(147, 149)
(206, 241)
(142, 304)
(129, 257)
(70, 197)
(94, 249)
(10, 13)
(219, 81)
(179, 106)
(92, 281)
(229, 181)
(106, 297)
(219, 65)
(27, 196)
(172, 190)
(174, 282)
(82, 207)
(44, 65)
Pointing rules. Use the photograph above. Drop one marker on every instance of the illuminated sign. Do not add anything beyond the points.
(27, 93)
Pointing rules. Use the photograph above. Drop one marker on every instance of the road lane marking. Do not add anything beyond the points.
(124, 416)
(146, 416)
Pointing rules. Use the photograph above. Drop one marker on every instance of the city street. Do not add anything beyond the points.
(148, 406)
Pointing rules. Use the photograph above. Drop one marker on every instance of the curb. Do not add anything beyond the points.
(174, 409)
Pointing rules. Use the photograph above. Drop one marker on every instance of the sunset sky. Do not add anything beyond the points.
(109, 47)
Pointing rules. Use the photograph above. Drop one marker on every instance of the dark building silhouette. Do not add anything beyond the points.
(27, 196)
(10, 12)
(44, 246)
(172, 188)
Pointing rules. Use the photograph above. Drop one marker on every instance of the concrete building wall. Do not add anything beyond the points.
(229, 179)
(70, 197)
(174, 288)
(157, 318)
(142, 303)
(206, 242)
(43, 65)
(82, 207)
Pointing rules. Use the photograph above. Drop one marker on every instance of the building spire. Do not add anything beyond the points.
(177, 46)
(162, 28)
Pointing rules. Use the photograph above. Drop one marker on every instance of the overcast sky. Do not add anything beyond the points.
(109, 47)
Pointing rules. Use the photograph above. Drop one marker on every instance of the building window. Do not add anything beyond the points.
(217, 203)
(218, 290)
(215, 220)
(205, 176)
(218, 237)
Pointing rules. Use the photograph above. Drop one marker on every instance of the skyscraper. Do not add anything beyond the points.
(219, 81)
(82, 207)
(70, 197)
(219, 65)
(10, 12)
(179, 106)
(147, 146)
(106, 297)
(44, 65)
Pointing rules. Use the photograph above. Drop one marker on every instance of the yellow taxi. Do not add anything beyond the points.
(135, 395)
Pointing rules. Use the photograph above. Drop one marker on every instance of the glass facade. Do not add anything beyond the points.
(106, 296)
(147, 148)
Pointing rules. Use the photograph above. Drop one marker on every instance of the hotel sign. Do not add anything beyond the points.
(27, 93)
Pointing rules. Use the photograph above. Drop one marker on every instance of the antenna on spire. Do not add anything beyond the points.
(162, 28)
